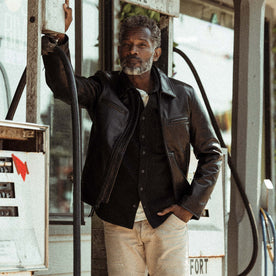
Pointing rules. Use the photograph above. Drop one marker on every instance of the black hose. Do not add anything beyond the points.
(17, 96)
(76, 159)
(230, 163)
(76, 149)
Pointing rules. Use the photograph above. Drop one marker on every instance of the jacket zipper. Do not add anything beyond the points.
(118, 154)
(162, 129)
(163, 136)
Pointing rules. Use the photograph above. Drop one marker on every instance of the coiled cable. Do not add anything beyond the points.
(267, 222)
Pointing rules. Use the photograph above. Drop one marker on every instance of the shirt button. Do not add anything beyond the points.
(143, 136)
(143, 118)
(141, 189)
(142, 171)
(134, 206)
(143, 152)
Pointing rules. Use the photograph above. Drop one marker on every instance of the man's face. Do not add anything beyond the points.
(137, 51)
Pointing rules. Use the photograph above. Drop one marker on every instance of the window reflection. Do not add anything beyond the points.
(13, 45)
(210, 48)
(58, 115)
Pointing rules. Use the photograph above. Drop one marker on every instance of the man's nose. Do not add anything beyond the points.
(133, 49)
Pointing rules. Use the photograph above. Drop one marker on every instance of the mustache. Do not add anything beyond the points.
(131, 57)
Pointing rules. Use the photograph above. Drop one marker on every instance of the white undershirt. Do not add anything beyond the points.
(140, 214)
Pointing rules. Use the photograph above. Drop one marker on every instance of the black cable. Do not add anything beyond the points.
(76, 159)
(17, 96)
(76, 149)
(232, 168)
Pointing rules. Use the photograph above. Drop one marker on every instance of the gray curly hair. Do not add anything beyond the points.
(141, 21)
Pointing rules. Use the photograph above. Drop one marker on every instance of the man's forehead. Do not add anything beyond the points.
(141, 33)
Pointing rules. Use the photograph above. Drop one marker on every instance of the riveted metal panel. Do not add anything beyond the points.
(33, 60)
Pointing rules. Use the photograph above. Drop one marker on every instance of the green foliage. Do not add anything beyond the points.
(130, 10)
(175, 44)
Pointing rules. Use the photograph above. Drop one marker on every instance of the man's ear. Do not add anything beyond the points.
(157, 53)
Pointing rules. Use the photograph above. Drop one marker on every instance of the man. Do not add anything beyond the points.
(137, 161)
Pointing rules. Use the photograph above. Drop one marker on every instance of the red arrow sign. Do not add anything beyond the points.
(20, 167)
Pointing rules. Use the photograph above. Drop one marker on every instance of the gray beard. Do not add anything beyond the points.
(136, 71)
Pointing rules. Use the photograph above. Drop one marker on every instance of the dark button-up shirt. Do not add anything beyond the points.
(144, 174)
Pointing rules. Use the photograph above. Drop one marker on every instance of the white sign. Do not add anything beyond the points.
(8, 253)
(206, 266)
(53, 16)
(169, 7)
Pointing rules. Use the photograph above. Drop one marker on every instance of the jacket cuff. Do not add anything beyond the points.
(195, 215)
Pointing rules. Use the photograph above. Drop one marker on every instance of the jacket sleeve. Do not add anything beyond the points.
(88, 88)
(208, 153)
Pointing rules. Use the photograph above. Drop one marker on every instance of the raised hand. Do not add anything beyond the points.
(68, 14)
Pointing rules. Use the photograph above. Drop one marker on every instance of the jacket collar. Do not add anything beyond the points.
(123, 85)
(165, 85)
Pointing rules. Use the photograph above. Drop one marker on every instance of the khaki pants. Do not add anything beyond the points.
(162, 251)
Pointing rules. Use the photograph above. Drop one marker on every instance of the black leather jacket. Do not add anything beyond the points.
(183, 121)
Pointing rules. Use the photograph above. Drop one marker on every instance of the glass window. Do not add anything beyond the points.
(90, 63)
(210, 48)
(13, 45)
(56, 114)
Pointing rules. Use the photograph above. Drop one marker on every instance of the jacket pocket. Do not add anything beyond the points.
(179, 120)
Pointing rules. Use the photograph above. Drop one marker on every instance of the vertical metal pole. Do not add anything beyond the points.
(106, 34)
(269, 155)
(269, 90)
(77, 190)
(269, 94)
(116, 8)
(78, 37)
(33, 61)
(247, 128)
